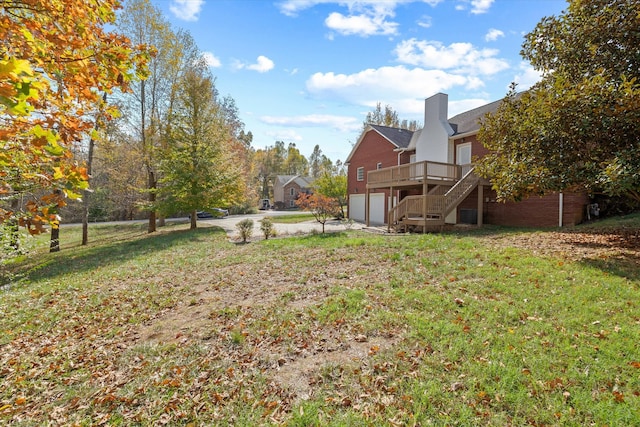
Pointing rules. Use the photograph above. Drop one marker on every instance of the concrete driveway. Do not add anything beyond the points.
(229, 224)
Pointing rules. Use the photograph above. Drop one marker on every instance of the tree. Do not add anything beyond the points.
(198, 171)
(333, 187)
(578, 127)
(388, 117)
(319, 163)
(296, 163)
(58, 60)
(149, 103)
(240, 145)
(322, 207)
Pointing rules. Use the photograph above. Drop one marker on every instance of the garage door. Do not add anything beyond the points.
(377, 206)
(356, 207)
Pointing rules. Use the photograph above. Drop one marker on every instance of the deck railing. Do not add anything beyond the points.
(414, 173)
(434, 205)
(428, 206)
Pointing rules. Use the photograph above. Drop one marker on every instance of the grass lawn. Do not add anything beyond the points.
(292, 218)
(473, 327)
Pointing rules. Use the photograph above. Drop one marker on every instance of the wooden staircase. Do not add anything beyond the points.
(430, 210)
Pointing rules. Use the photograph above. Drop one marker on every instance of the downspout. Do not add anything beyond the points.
(560, 208)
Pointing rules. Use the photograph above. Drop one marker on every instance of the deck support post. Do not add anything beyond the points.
(425, 189)
(480, 204)
(391, 206)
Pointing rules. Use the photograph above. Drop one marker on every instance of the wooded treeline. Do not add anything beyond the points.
(120, 124)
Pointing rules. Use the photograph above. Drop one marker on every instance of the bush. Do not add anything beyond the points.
(267, 228)
(245, 228)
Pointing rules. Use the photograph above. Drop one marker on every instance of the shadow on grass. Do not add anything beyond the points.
(627, 266)
(620, 245)
(114, 250)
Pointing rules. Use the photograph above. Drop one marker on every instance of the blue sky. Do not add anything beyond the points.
(308, 71)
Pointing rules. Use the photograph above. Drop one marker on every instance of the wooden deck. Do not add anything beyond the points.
(415, 174)
(430, 209)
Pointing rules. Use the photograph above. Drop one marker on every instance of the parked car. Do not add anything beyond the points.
(214, 213)
(219, 212)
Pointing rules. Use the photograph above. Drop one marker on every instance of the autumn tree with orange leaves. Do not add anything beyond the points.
(57, 61)
(322, 207)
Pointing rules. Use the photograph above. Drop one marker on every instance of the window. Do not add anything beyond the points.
(292, 203)
(360, 174)
(379, 165)
(292, 191)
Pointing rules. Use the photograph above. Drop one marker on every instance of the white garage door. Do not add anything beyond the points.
(376, 204)
(356, 207)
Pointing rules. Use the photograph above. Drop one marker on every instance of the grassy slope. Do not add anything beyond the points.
(351, 329)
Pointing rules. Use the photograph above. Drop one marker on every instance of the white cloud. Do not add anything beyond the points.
(477, 6)
(340, 123)
(186, 10)
(480, 6)
(461, 57)
(365, 17)
(527, 76)
(287, 135)
(262, 65)
(493, 35)
(463, 105)
(403, 88)
(425, 21)
(363, 25)
(211, 60)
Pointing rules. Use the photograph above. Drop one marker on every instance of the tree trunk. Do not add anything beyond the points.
(85, 199)
(54, 245)
(13, 227)
(194, 220)
(152, 200)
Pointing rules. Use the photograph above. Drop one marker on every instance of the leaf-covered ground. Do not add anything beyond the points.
(479, 327)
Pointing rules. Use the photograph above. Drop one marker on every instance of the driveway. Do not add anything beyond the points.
(229, 224)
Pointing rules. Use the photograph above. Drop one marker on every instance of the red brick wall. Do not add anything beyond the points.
(287, 194)
(477, 149)
(532, 212)
(373, 148)
(535, 211)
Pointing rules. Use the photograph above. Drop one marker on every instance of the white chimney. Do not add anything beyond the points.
(433, 143)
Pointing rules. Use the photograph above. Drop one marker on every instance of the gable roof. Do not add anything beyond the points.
(301, 181)
(400, 138)
(469, 121)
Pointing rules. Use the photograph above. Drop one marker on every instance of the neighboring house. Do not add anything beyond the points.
(425, 178)
(287, 188)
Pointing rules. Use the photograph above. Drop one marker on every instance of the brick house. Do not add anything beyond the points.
(425, 178)
(286, 189)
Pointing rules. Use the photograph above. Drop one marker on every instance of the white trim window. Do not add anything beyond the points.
(292, 191)
(360, 174)
(379, 165)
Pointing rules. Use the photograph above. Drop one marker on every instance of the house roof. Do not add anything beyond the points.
(301, 181)
(400, 138)
(469, 121)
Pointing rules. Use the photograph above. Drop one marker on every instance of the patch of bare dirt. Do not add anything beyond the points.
(575, 245)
